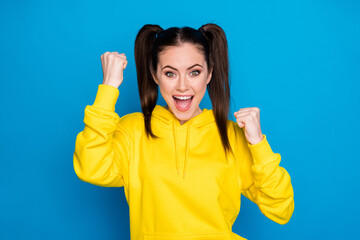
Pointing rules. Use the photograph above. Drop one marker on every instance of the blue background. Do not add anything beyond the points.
(298, 61)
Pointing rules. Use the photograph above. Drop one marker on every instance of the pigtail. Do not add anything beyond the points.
(148, 89)
(218, 87)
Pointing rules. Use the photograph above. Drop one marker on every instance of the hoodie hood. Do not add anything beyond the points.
(166, 119)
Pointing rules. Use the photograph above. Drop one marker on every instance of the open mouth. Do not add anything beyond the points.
(183, 103)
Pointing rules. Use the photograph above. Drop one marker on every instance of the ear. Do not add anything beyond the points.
(209, 76)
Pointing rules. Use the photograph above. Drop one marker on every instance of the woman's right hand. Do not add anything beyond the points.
(113, 65)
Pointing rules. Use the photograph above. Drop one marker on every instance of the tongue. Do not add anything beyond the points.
(183, 103)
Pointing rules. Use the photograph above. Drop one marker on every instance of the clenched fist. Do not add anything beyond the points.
(113, 65)
(249, 119)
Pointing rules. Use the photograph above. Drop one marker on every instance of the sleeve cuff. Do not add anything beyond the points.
(106, 97)
(262, 152)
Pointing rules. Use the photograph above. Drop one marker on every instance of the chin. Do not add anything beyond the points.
(183, 116)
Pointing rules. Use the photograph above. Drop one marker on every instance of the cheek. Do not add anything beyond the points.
(201, 87)
(166, 89)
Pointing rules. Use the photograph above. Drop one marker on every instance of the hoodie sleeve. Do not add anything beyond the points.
(263, 181)
(101, 154)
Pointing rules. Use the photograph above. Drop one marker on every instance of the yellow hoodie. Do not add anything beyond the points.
(180, 186)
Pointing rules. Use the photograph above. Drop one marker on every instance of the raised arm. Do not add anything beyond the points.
(263, 181)
(102, 149)
(101, 154)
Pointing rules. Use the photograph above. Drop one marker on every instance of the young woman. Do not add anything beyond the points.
(183, 168)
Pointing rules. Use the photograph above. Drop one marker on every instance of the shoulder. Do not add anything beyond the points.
(132, 117)
(232, 127)
(236, 134)
(131, 120)
(129, 126)
(131, 123)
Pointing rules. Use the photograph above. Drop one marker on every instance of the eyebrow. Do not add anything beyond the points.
(187, 69)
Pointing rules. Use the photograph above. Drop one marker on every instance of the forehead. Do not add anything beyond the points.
(184, 55)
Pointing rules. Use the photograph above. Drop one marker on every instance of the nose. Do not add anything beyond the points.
(182, 84)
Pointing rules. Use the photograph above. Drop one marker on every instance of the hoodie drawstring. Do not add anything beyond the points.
(187, 149)
(177, 150)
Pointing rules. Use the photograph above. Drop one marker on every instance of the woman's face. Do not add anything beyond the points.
(182, 76)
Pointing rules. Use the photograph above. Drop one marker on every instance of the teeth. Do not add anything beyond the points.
(182, 98)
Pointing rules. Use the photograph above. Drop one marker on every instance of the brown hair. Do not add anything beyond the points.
(211, 39)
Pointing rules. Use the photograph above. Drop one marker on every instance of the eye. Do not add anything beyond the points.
(195, 73)
(169, 74)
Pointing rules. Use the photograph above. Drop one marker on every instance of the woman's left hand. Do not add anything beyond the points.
(250, 119)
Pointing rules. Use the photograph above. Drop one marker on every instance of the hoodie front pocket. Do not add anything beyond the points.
(205, 236)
